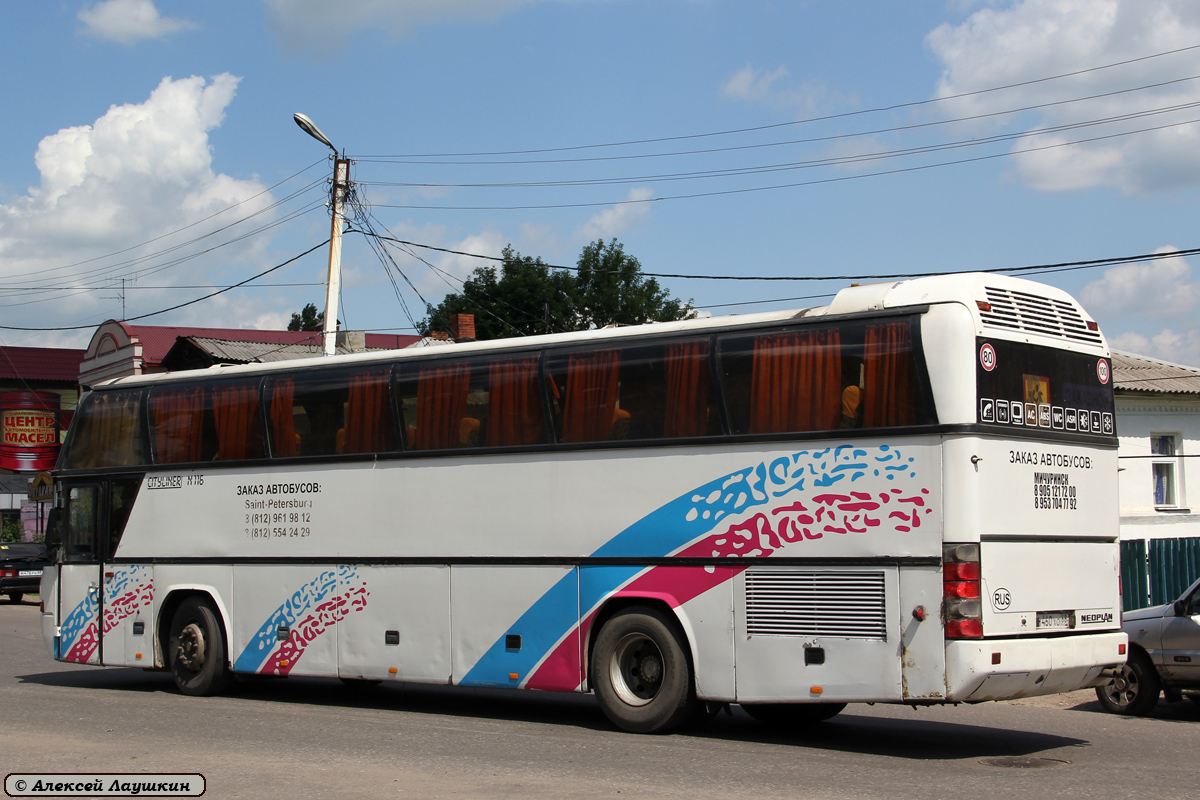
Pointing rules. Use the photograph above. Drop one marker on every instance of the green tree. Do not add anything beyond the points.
(11, 529)
(307, 320)
(526, 296)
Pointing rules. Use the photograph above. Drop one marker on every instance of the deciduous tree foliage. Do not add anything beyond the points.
(307, 320)
(526, 296)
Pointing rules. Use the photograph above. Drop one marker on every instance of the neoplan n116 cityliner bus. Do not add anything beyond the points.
(908, 495)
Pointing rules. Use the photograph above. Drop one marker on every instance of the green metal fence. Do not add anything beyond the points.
(1156, 571)
(1135, 588)
(1174, 566)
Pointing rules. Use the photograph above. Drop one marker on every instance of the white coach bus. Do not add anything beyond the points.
(908, 495)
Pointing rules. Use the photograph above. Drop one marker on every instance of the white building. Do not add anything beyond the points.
(1158, 426)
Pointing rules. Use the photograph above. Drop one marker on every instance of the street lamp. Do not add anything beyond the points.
(341, 186)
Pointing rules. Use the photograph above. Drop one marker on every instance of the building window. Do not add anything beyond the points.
(1164, 449)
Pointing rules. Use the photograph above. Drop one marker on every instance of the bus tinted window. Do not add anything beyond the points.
(108, 431)
(481, 403)
(206, 422)
(852, 375)
(640, 392)
(331, 413)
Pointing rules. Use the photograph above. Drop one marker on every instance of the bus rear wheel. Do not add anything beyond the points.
(196, 649)
(792, 714)
(641, 673)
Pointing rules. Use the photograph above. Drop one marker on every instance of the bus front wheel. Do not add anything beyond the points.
(640, 672)
(196, 649)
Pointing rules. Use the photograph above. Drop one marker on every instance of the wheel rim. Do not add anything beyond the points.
(191, 649)
(636, 669)
(1123, 688)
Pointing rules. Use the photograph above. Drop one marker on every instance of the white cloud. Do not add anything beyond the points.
(1024, 40)
(771, 89)
(1160, 288)
(616, 220)
(129, 21)
(321, 27)
(139, 172)
(1179, 348)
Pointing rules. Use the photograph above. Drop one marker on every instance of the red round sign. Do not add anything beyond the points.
(1102, 370)
(987, 357)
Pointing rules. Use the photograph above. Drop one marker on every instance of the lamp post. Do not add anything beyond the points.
(341, 186)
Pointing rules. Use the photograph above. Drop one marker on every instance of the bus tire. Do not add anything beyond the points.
(641, 672)
(196, 649)
(792, 714)
(1134, 690)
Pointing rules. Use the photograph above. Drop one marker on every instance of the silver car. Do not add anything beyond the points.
(1164, 656)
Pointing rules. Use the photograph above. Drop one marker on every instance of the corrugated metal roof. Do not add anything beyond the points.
(234, 352)
(40, 364)
(157, 340)
(1133, 373)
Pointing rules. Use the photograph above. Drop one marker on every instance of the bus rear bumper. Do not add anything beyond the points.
(1003, 669)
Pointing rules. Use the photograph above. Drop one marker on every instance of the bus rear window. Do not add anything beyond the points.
(1032, 386)
(107, 431)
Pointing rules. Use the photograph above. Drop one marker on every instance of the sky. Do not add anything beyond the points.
(152, 157)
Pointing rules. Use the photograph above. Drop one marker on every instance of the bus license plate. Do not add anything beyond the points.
(30, 573)
(1054, 619)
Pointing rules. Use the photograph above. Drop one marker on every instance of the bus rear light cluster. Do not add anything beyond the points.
(961, 606)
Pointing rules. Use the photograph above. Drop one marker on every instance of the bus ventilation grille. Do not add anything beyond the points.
(1020, 311)
(790, 602)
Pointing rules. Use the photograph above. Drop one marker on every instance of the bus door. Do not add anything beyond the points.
(79, 578)
(127, 592)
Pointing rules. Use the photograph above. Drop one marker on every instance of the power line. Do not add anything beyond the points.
(1057, 267)
(797, 184)
(760, 145)
(180, 305)
(879, 109)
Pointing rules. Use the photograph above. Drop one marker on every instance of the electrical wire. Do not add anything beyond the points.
(861, 112)
(1057, 267)
(179, 305)
(789, 142)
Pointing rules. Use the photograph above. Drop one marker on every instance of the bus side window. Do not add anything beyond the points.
(331, 413)
(783, 382)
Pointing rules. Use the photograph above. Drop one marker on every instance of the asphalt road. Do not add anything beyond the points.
(302, 738)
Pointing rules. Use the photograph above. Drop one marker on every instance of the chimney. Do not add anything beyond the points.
(440, 336)
(462, 327)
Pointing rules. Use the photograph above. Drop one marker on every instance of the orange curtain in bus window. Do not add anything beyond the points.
(177, 419)
(590, 406)
(368, 415)
(235, 412)
(441, 405)
(515, 414)
(283, 425)
(687, 389)
(888, 395)
(796, 382)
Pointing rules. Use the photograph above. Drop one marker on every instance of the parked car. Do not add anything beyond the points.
(1164, 656)
(21, 565)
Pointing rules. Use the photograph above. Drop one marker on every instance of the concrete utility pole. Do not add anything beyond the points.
(337, 196)
(341, 185)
